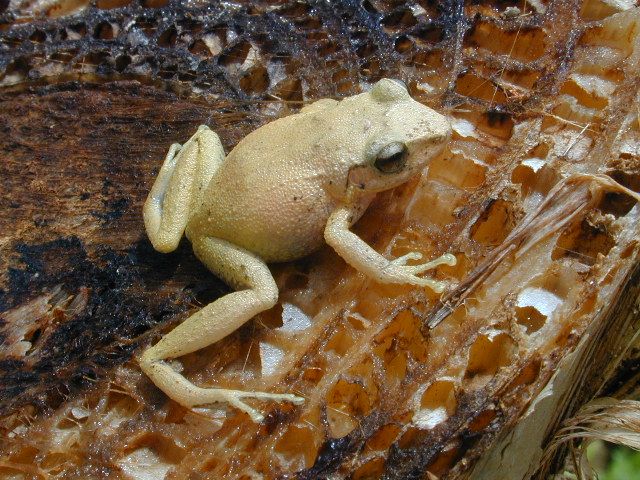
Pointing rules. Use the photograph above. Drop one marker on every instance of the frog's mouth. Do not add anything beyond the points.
(372, 180)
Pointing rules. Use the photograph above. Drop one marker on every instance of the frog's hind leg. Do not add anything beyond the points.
(184, 175)
(241, 270)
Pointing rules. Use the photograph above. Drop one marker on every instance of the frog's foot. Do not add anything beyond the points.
(400, 272)
(189, 395)
(234, 398)
(446, 259)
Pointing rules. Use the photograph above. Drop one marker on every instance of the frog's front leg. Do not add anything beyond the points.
(241, 270)
(365, 259)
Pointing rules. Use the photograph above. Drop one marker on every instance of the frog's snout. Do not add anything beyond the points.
(434, 141)
(440, 129)
(400, 82)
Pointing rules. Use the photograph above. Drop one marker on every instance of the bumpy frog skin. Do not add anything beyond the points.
(282, 192)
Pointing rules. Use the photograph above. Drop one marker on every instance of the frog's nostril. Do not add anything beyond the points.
(436, 139)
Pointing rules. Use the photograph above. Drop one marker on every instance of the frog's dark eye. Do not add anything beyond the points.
(391, 158)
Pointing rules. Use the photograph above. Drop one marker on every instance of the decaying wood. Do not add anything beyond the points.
(542, 313)
(72, 211)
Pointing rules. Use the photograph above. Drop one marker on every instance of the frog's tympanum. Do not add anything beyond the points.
(282, 192)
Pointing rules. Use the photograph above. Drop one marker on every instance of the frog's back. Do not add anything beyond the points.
(266, 196)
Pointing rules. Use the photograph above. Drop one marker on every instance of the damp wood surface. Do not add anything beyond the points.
(399, 383)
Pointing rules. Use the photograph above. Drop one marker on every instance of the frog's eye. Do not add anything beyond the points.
(392, 158)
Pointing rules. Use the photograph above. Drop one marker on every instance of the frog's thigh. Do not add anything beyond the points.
(184, 175)
(241, 269)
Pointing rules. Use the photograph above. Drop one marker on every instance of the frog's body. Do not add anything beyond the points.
(281, 193)
(293, 209)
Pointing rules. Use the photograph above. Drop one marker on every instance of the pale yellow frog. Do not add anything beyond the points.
(282, 192)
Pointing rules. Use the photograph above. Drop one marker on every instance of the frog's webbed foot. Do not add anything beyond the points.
(185, 173)
(242, 270)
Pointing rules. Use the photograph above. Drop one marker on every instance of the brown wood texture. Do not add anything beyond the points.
(77, 165)
(89, 104)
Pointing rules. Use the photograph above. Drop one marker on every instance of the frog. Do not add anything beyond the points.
(281, 193)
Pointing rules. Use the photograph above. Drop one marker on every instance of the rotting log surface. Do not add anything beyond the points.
(73, 179)
(89, 104)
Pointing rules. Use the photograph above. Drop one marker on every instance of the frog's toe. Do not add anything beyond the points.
(402, 261)
(435, 285)
(276, 397)
(255, 415)
(233, 398)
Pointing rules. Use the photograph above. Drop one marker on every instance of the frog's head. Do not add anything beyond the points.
(405, 137)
